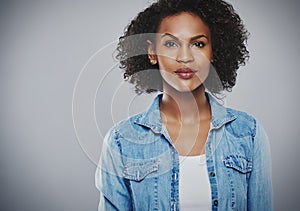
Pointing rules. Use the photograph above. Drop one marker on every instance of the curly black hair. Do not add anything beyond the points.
(228, 34)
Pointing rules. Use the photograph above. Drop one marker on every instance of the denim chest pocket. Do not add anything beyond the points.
(139, 170)
(238, 169)
(239, 163)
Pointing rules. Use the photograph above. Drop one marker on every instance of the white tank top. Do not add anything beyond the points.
(194, 186)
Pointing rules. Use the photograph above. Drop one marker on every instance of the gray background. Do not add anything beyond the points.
(48, 164)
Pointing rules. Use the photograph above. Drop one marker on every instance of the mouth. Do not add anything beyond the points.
(185, 73)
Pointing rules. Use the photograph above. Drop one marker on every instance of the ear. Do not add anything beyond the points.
(151, 53)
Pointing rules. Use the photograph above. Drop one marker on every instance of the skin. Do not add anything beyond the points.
(182, 41)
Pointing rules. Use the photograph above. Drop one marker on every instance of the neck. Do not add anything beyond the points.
(185, 107)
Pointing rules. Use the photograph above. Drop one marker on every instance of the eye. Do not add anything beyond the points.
(170, 44)
(199, 44)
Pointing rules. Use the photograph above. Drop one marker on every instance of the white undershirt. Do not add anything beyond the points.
(194, 186)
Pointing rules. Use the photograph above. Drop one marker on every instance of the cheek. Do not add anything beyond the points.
(203, 61)
(205, 53)
(203, 58)
(165, 61)
(166, 55)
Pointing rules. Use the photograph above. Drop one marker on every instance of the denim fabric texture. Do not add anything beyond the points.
(139, 166)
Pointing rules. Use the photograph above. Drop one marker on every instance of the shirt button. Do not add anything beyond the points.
(175, 176)
(216, 202)
(212, 174)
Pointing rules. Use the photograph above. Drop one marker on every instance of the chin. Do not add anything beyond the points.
(182, 87)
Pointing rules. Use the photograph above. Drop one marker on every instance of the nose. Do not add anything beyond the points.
(184, 55)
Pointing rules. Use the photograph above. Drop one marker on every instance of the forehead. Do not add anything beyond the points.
(183, 25)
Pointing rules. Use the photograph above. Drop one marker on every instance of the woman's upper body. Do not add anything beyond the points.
(139, 166)
(183, 48)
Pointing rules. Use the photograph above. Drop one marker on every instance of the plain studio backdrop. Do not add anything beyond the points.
(61, 90)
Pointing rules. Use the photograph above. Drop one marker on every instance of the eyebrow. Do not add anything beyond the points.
(177, 39)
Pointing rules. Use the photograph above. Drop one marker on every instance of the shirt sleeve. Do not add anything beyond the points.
(109, 180)
(260, 191)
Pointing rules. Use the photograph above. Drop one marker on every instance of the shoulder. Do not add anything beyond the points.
(246, 127)
(136, 127)
(130, 124)
(243, 123)
(238, 123)
(127, 128)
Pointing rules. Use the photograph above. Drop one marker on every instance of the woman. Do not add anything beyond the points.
(186, 151)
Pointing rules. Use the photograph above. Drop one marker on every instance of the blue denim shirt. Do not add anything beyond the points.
(139, 166)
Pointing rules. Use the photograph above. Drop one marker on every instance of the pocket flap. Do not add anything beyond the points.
(239, 163)
(138, 170)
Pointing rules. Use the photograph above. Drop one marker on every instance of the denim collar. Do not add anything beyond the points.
(152, 119)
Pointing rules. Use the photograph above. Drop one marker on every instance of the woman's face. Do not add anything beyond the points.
(183, 52)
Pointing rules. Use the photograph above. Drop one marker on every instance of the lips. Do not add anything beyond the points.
(185, 73)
